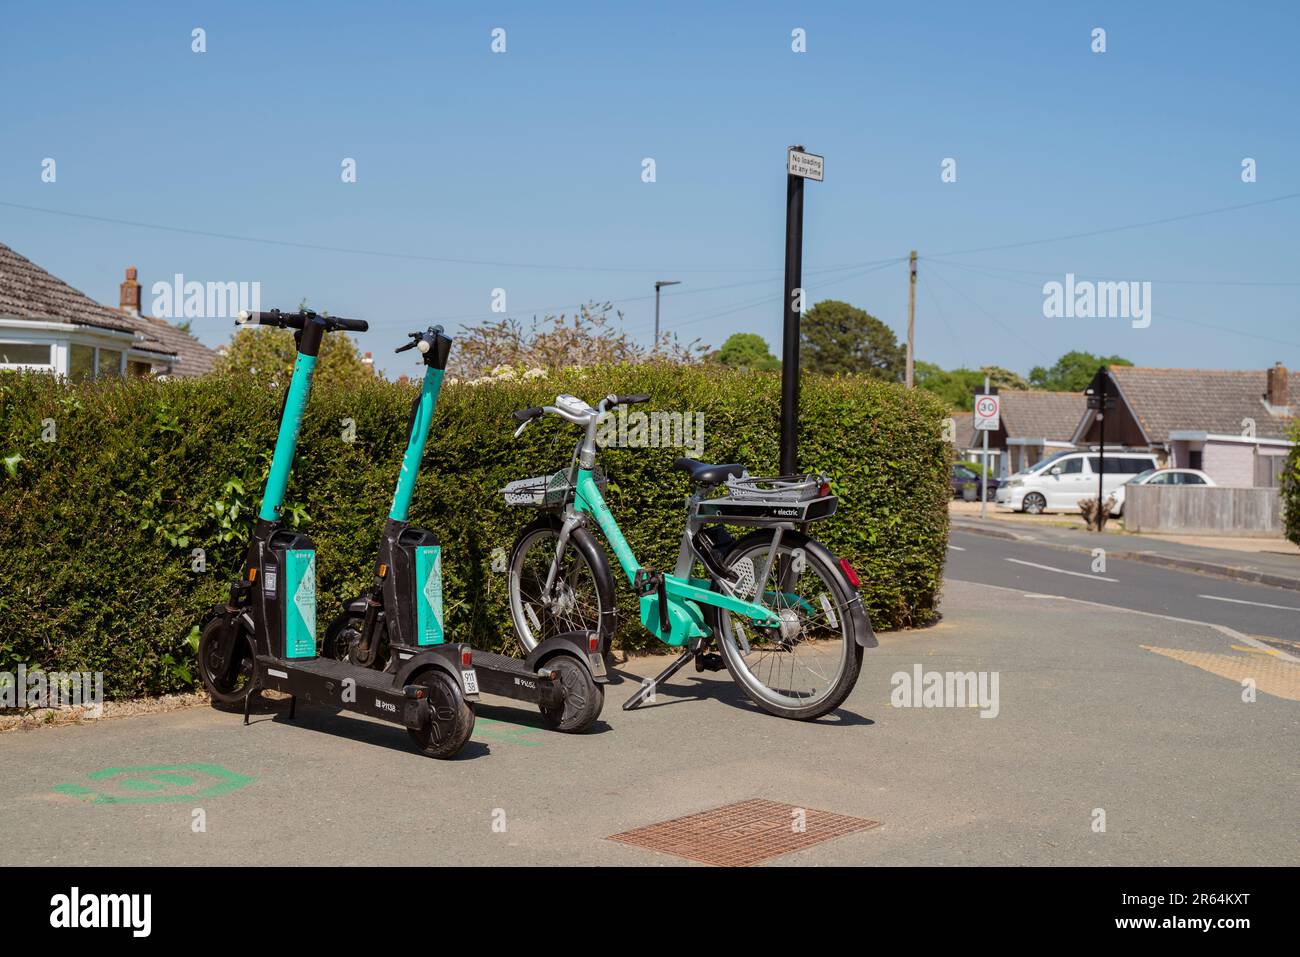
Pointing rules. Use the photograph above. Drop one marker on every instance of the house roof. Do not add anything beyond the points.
(195, 357)
(29, 292)
(1203, 400)
(1050, 416)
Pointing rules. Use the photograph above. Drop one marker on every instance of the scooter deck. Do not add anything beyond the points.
(508, 678)
(324, 682)
(511, 678)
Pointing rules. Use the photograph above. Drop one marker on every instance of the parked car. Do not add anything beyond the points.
(1057, 483)
(1160, 477)
(963, 475)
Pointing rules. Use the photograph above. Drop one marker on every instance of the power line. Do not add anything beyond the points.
(1116, 229)
(1033, 350)
(1163, 313)
(768, 300)
(1163, 282)
(552, 310)
(414, 257)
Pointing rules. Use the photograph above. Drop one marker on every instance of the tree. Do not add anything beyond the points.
(1072, 372)
(270, 353)
(837, 337)
(957, 387)
(747, 350)
(586, 338)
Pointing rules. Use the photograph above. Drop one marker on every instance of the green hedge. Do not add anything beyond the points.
(98, 525)
(1291, 488)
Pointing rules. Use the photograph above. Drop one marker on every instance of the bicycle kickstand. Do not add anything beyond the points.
(648, 687)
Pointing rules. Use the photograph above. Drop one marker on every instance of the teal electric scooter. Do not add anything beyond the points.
(264, 637)
(401, 617)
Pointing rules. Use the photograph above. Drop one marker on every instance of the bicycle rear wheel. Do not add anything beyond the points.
(809, 665)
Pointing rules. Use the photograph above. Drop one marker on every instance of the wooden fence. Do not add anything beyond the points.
(1203, 510)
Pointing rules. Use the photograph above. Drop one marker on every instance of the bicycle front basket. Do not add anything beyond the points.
(546, 491)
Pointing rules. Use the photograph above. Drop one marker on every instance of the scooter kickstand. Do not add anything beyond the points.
(248, 702)
(647, 688)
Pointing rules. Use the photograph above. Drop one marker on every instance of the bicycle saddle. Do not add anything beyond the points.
(708, 474)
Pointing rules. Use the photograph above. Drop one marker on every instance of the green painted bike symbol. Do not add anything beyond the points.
(156, 784)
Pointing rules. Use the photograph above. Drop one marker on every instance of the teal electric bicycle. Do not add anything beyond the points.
(782, 610)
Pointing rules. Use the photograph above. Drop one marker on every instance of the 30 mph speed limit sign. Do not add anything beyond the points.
(988, 413)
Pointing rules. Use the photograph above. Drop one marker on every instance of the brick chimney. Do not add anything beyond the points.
(1277, 380)
(129, 300)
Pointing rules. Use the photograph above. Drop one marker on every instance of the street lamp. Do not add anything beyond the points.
(659, 284)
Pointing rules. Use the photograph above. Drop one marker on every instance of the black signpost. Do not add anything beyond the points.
(800, 165)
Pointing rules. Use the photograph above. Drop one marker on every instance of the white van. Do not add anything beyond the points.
(1057, 483)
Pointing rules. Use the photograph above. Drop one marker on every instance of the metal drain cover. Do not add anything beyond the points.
(744, 833)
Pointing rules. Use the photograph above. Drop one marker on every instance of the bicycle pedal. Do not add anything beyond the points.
(646, 581)
(709, 661)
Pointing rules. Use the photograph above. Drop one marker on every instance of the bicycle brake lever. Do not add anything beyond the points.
(520, 431)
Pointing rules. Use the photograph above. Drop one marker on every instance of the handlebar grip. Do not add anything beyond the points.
(273, 317)
(526, 415)
(631, 399)
(351, 325)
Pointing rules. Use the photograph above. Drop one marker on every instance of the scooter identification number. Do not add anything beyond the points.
(471, 680)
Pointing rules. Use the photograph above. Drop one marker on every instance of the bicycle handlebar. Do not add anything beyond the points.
(527, 415)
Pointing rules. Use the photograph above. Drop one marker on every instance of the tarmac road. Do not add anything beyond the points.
(1098, 711)
(1272, 614)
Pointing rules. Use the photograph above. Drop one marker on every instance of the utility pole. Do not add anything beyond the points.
(911, 320)
(984, 479)
(659, 284)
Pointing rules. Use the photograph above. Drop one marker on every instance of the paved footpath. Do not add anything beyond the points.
(1088, 719)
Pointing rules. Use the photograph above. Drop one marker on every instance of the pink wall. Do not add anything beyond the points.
(1229, 463)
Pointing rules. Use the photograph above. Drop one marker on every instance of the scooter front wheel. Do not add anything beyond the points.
(451, 717)
(226, 669)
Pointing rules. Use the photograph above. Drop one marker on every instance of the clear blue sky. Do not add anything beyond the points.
(534, 157)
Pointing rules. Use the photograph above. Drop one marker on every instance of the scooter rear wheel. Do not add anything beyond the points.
(583, 698)
(451, 718)
(227, 678)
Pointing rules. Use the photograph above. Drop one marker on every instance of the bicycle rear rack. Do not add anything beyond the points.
(769, 500)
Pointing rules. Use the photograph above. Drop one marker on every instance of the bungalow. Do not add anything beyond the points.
(1233, 425)
(47, 325)
(1033, 425)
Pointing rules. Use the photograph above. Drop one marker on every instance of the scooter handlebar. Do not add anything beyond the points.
(296, 320)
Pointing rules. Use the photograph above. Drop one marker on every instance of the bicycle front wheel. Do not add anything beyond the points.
(809, 665)
(582, 597)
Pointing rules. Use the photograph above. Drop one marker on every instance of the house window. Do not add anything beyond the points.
(109, 363)
(1194, 459)
(135, 367)
(25, 354)
(81, 362)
